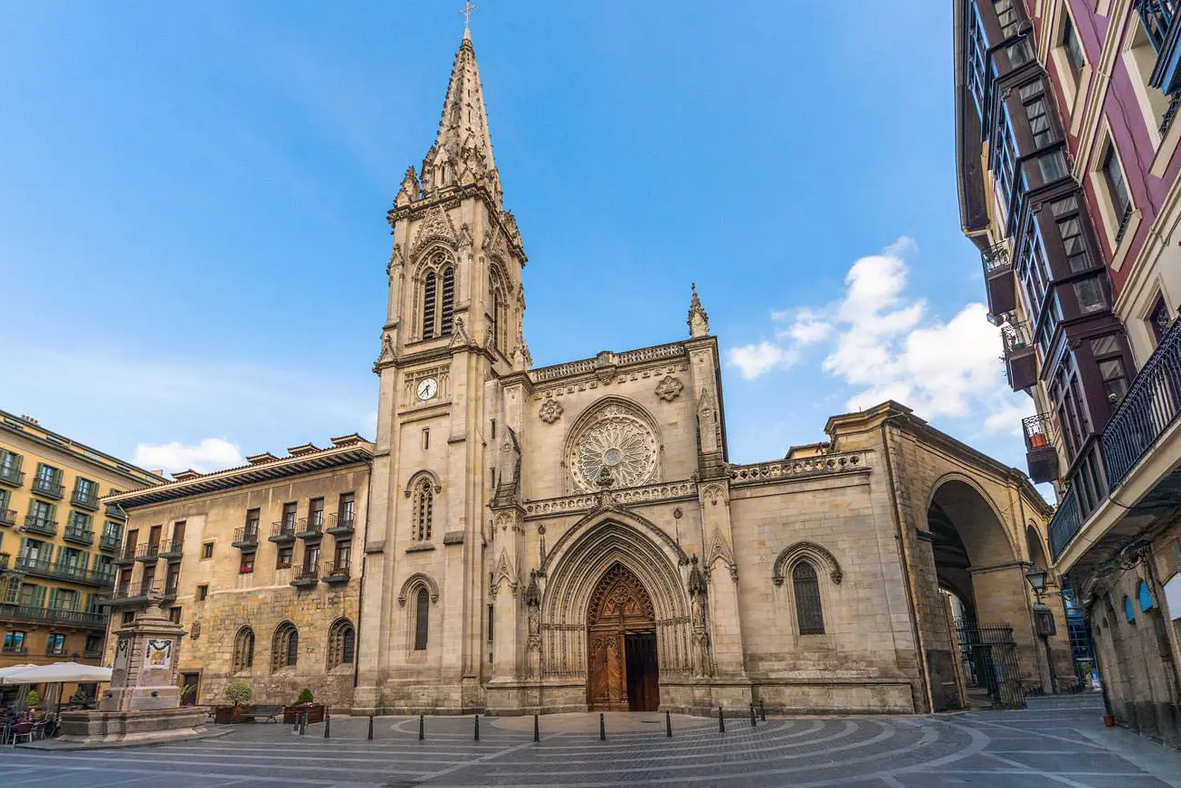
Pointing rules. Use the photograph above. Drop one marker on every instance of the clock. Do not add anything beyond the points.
(427, 389)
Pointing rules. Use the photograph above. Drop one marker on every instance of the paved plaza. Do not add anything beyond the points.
(1053, 743)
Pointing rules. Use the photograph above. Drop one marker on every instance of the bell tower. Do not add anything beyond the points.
(454, 326)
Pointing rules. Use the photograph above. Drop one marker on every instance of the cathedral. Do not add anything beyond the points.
(575, 537)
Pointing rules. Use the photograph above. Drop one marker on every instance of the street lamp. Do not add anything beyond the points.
(1038, 579)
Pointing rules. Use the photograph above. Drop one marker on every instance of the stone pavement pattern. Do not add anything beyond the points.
(1054, 743)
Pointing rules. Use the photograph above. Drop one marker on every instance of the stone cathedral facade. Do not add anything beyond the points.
(575, 536)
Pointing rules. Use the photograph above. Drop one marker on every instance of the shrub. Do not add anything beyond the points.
(33, 699)
(79, 698)
(238, 692)
(305, 696)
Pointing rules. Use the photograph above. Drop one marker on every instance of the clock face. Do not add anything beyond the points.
(427, 389)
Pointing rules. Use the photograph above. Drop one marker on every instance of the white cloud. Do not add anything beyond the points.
(885, 345)
(211, 454)
(755, 360)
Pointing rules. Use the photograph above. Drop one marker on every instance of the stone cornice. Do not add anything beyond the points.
(607, 360)
(789, 470)
(584, 502)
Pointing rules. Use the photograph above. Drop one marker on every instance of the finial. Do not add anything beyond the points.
(698, 319)
(467, 18)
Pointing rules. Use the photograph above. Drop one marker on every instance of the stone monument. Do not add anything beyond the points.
(143, 702)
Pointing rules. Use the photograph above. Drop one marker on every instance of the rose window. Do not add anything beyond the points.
(619, 443)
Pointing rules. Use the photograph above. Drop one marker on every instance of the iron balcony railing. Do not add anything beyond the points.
(341, 525)
(35, 565)
(11, 474)
(1015, 337)
(49, 487)
(336, 572)
(283, 531)
(79, 534)
(86, 499)
(995, 260)
(148, 552)
(37, 524)
(1149, 408)
(49, 615)
(305, 576)
(109, 542)
(1038, 431)
(1170, 113)
(127, 556)
(171, 549)
(7, 516)
(310, 527)
(1124, 218)
(246, 536)
(115, 512)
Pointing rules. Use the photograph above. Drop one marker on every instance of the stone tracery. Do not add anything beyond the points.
(616, 440)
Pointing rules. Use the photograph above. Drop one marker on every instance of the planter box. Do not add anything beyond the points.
(227, 715)
(294, 714)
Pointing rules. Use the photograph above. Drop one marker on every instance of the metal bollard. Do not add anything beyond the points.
(762, 711)
(721, 721)
(421, 727)
(753, 722)
(370, 736)
(303, 723)
(668, 725)
(477, 727)
(536, 729)
(327, 724)
(602, 728)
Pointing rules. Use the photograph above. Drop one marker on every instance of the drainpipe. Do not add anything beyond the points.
(899, 534)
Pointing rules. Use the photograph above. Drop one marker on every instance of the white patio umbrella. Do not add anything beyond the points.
(57, 673)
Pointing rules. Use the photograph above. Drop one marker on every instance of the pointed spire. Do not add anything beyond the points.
(698, 319)
(462, 152)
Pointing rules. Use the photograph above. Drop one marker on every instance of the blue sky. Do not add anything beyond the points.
(192, 200)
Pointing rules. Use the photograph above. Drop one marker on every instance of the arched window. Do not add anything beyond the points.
(497, 319)
(285, 648)
(809, 616)
(424, 505)
(342, 641)
(422, 613)
(243, 650)
(429, 287)
(447, 313)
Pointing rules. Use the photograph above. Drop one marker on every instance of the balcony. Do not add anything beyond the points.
(304, 577)
(78, 534)
(47, 615)
(310, 528)
(35, 524)
(6, 649)
(148, 553)
(999, 280)
(1040, 454)
(85, 499)
(115, 512)
(1158, 18)
(11, 476)
(1020, 358)
(126, 558)
(171, 549)
(335, 573)
(128, 595)
(283, 532)
(109, 543)
(42, 567)
(1138, 470)
(7, 516)
(48, 488)
(92, 653)
(246, 537)
(340, 526)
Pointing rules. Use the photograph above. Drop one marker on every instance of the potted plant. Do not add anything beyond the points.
(33, 703)
(238, 693)
(79, 699)
(304, 704)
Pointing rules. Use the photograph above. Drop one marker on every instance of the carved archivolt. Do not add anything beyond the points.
(413, 480)
(413, 582)
(810, 550)
(436, 226)
(615, 436)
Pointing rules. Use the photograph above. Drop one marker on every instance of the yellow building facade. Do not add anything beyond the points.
(58, 543)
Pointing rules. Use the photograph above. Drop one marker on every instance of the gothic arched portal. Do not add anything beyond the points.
(622, 670)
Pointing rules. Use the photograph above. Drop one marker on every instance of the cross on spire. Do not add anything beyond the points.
(467, 14)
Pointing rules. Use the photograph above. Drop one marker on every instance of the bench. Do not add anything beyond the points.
(266, 713)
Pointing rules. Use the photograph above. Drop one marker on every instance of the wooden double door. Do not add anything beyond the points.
(622, 667)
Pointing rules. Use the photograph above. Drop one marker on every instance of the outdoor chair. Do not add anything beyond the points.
(22, 729)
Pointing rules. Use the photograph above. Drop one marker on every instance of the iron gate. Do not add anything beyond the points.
(988, 659)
